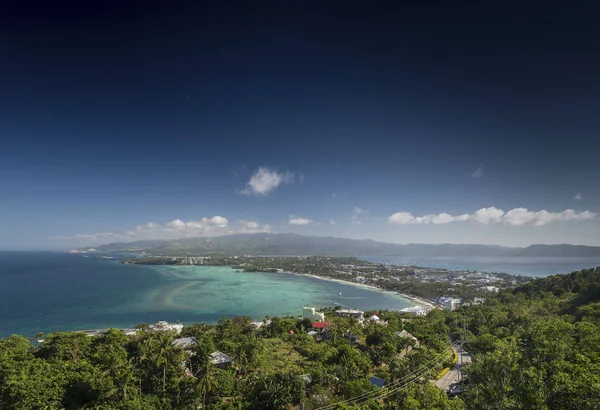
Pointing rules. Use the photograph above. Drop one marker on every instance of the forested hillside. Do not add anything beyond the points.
(300, 245)
(535, 347)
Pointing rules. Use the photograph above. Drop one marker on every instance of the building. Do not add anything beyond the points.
(416, 310)
(162, 325)
(312, 314)
(221, 360)
(405, 334)
(185, 342)
(450, 303)
(490, 288)
(319, 326)
(377, 320)
(353, 313)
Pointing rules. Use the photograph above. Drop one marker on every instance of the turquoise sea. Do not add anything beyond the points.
(45, 291)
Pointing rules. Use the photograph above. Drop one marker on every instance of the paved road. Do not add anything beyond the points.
(453, 375)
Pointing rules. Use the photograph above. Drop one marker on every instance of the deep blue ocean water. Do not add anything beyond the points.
(45, 291)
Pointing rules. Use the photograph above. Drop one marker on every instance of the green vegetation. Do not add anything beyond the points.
(535, 347)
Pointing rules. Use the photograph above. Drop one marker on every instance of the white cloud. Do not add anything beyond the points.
(331, 222)
(252, 225)
(88, 236)
(493, 215)
(299, 221)
(478, 172)
(522, 216)
(401, 218)
(438, 219)
(215, 220)
(356, 215)
(175, 229)
(487, 216)
(176, 224)
(578, 197)
(266, 180)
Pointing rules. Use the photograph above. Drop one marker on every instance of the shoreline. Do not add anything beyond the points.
(413, 299)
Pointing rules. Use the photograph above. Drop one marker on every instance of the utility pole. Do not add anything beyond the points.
(463, 339)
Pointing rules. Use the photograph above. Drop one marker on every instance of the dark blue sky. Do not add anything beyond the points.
(115, 116)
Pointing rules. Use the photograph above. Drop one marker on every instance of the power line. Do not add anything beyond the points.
(423, 369)
(379, 394)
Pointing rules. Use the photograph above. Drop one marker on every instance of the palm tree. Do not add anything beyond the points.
(202, 368)
(162, 352)
(207, 381)
(275, 394)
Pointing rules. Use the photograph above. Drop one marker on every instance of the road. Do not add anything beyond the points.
(453, 375)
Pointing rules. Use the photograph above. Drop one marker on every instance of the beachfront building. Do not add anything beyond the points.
(162, 325)
(450, 303)
(416, 310)
(312, 314)
(353, 313)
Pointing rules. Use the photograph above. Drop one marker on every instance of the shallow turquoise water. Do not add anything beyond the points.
(45, 291)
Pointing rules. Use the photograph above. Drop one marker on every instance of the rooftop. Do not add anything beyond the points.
(219, 358)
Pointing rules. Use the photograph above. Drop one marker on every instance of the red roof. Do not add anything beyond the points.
(319, 325)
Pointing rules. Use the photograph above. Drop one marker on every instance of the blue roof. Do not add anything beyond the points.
(377, 381)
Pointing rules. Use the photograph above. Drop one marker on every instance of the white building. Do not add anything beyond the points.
(353, 313)
(451, 303)
(185, 342)
(490, 288)
(312, 314)
(416, 310)
(162, 325)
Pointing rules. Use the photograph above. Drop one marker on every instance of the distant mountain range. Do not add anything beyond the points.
(299, 245)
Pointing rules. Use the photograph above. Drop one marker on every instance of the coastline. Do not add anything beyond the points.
(413, 299)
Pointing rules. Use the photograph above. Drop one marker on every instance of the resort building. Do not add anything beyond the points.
(353, 313)
(416, 310)
(312, 314)
(162, 325)
(450, 303)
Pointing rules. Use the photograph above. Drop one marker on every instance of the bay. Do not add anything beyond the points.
(526, 266)
(48, 291)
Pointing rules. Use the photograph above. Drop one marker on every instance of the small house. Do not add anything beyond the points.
(221, 360)
(318, 326)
